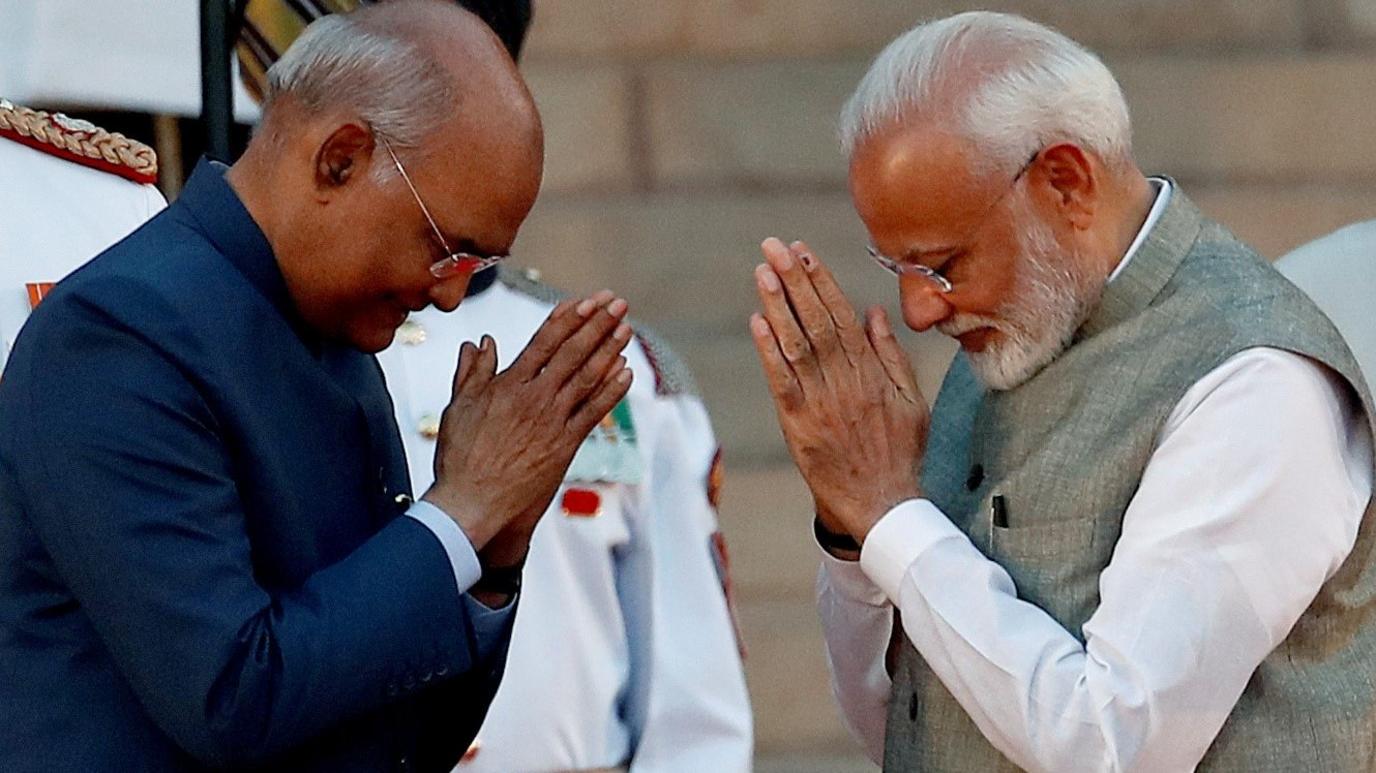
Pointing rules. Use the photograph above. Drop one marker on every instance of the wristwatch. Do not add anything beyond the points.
(832, 540)
(505, 580)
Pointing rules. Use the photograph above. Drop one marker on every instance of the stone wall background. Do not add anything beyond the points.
(680, 133)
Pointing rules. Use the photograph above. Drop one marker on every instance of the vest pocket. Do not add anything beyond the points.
(1043, 540)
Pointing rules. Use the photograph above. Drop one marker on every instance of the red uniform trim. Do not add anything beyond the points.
(37, 292)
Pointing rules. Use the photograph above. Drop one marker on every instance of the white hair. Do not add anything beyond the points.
(1008, 84)
(391, 83)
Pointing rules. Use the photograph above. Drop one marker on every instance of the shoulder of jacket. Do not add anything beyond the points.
(80, 142)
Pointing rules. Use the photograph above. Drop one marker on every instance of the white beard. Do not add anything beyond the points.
(1052, 297)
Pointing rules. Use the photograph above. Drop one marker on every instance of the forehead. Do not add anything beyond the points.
(480, 190)
(917, 178)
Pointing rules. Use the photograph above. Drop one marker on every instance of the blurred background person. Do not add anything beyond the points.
(625, 651)
(68, 189)
(1339, 272)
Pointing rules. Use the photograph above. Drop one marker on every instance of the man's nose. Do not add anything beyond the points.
(923, 303)
(446, 294)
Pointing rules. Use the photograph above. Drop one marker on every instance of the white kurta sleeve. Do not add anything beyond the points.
(857, 622)
(1250, 502)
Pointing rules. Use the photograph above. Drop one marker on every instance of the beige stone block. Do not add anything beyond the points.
(586, 112)
(786, 672)
(810, 27)
(757, 125)
(685, 261)
(1277, 219)
(761, 126)
(622, 28)
(766, 515)
(1342, 22)
(733, 385)
(1257, 118)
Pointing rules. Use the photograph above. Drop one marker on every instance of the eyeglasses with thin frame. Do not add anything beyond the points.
(898, 268)
(453, 263)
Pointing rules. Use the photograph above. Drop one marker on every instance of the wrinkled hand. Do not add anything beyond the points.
(506, 439)
(851, 412)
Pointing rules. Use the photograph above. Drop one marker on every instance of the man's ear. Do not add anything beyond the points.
(1072, 180)
(343, 156)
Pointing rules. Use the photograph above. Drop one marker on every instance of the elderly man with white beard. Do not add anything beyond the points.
(1135, 532)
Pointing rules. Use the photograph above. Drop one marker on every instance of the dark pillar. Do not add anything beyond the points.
(217, 100)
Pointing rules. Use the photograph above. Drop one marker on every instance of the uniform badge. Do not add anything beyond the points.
(472, 751)
(715, 475)
(581, 503)
(428, 426)
(610, 453)
(37, 292)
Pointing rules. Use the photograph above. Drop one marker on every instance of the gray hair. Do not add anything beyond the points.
(393, 85)
(1010, 85)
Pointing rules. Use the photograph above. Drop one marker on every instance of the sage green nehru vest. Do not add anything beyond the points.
(1066, 451)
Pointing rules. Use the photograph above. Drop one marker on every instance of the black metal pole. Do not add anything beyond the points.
(217, 100)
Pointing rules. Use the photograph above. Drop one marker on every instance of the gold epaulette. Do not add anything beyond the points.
(79, 141)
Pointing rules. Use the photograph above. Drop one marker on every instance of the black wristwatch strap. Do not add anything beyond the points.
(505, 580)
(831, 540)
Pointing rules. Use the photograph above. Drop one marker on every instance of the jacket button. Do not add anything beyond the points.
(976, 477)
(443, 670)
(912, 708)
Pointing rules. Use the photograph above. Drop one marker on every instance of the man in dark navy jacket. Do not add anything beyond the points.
(209, 555)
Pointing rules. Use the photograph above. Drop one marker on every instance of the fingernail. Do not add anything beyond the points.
(808, 261)
(617, 307)
(768, 280)
(620, 362)
(585, 308)
(881, 323)
(602, 296)
(775, 251)
(623, 332)
(758, 326)
(624, 377)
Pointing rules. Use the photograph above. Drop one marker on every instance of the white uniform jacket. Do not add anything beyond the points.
(55, 215)
(624, 649)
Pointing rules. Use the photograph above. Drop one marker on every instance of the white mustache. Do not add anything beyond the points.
(964, 323)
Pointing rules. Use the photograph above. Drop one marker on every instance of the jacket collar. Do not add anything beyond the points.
(220, 215)
(1147, 274)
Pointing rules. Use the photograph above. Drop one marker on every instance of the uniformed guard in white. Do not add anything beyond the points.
(625, 651)
(68, 190)
(1339, 272)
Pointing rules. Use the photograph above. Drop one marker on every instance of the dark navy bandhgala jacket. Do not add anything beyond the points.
(203, 562)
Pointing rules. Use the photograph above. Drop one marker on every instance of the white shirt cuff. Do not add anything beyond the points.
(850, 582)
(899, 539)
(462, 558)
